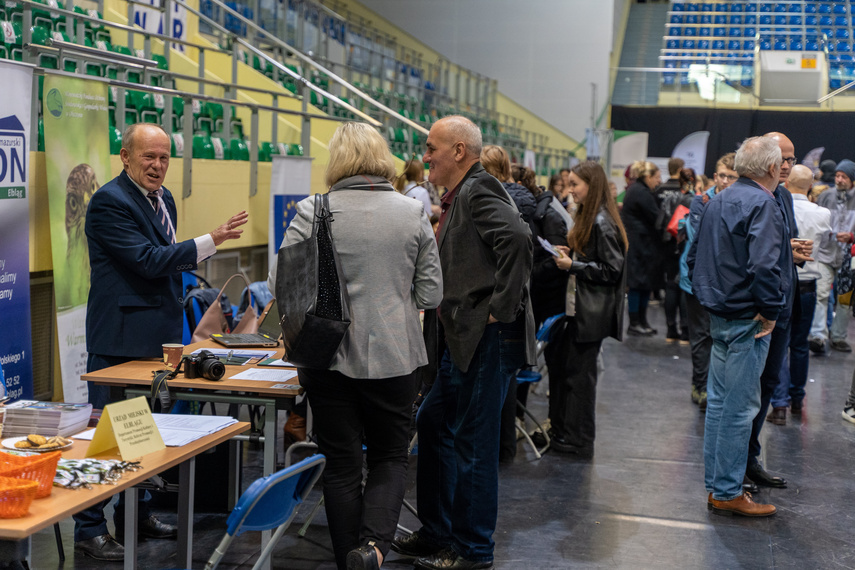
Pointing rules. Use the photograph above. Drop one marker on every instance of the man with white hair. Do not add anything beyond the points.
(814, 223)
(485, 333)
(736, 270)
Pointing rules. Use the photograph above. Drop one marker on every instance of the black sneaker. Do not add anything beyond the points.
(415, 546)
(841, 346)
(817, 345)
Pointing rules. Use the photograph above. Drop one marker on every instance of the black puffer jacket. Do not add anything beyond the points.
(548, 282)
(524, 200)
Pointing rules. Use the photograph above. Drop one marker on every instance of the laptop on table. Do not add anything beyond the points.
(267, 336)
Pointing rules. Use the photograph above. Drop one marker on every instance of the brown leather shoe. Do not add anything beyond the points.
(778, 416)
(741, 505)
(294, 430)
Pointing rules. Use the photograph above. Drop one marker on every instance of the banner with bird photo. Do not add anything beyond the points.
(77, 157)
(15, 350)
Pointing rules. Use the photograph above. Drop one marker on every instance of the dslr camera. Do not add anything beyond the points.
(204, 365)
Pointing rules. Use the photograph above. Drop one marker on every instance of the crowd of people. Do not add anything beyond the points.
(754, 271)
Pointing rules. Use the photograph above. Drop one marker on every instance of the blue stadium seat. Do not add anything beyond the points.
(750, 18)
(765, 44)
(722, 7)
(795, 20)
(796, 44)
(765, 7)
(691, 19)
(839, 8)
(706, 7)
(690, 32)
(675, 31)
(795, 7)
(845, 58)
(718, 44)
(827, 31)
(780, 44)
(704, 32)
(779, 7)
(668, 78)
(841, 33)
(688, 44)
(765, 20)
(853, 20)
(751, 6)
(676, 19)
(810, 8)
(703, 44)
(720, 19)
(830, 47)
(692, 7)
(841, 21)
(736, 7)
(748, 45)
(720, 32)
(747, 75)
(677, 7)
(736, 19)
(706, 18)
(735, 32)
(811, 45)
(825, 8)
(835, 84)
(734, 44)
(749, 32)
(780, 20)
(811, 20)
(672, 44)
(843, 46)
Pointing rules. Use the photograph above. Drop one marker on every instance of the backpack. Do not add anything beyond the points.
(670, 201)
(198, 299)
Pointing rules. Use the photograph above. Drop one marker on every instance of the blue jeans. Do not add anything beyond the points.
(794, 377)
(733, 399)
(458, 426)
(779, 343)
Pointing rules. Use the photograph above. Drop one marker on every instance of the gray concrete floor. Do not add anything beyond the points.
(640, 503)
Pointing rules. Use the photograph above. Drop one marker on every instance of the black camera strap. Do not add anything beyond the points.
(160, 389)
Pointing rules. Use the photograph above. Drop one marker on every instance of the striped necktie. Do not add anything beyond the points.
(160, 212)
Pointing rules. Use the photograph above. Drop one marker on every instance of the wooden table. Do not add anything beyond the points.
(134, 379)
(63, 503)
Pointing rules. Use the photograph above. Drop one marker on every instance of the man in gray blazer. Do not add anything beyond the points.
(485, 333)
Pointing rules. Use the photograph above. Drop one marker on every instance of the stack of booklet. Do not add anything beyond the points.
(179, 429)
(26, 417)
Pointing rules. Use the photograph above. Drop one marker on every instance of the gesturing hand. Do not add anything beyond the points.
(230, 230)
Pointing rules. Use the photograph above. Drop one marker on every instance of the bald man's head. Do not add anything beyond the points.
(800, 180)
(788, 154)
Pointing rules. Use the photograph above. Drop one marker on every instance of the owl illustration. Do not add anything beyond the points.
(79, 187)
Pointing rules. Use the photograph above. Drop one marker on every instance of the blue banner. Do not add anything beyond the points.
(15, 332)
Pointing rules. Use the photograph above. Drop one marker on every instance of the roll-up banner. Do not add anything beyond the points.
(78, 162)
(15, 345)
(290, 182)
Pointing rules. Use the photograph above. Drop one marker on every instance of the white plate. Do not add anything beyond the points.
(9, 443)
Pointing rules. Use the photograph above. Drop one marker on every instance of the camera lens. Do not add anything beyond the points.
(212, 369)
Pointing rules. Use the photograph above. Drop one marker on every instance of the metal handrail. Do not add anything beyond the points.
(303, 58)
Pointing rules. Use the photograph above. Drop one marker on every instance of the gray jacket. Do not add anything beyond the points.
(391, 266)
(830, 251)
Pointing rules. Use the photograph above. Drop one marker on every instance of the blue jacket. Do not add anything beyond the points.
(136, 298)
(741, 263)
(692, 223)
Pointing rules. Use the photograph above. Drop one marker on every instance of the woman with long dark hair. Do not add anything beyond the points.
(595, 257)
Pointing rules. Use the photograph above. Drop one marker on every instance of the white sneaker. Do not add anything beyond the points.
(849, 414)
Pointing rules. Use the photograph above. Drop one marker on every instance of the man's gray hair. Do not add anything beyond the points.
(461, 129)
(755, 156)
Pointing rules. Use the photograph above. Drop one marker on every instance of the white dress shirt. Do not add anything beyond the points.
(814, 223)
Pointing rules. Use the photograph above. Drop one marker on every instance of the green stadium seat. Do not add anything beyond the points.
(222, 151)
(239, 149)
(295, 150)
(40, 36)
(12, 40)
(115, 140)
(41, 135)
(177, 145)
(266, 150)
(202, 146)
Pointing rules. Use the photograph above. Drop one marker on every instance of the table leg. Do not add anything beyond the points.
(234, 473)
(131, 528)
(269, 463)
(186, 497)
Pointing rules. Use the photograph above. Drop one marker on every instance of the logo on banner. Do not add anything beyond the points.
(54, 102)
(13, 158)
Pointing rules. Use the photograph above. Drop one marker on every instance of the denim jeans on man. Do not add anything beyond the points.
(793, 378)
(776, 358)
(733, 399)
(458, 427)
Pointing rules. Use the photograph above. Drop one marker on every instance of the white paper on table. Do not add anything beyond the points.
(226, 352)
(180, 429)
(265, 375)
(87, 435)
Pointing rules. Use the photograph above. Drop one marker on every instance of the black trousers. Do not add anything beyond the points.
(572, 385)
(700, 341)
(346, 412)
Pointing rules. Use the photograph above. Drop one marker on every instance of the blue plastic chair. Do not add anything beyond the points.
(270, 502)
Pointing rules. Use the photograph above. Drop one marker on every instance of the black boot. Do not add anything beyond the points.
(635, 327)
(672, 335)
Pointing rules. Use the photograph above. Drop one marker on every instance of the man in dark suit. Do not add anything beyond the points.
(135, 296)
(485, 333)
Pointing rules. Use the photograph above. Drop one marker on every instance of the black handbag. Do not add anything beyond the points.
(311, 295)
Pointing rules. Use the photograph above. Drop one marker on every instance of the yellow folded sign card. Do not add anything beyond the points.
(129, 426)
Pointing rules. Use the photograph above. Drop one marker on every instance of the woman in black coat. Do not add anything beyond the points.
(639, 214)
(595, 258)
